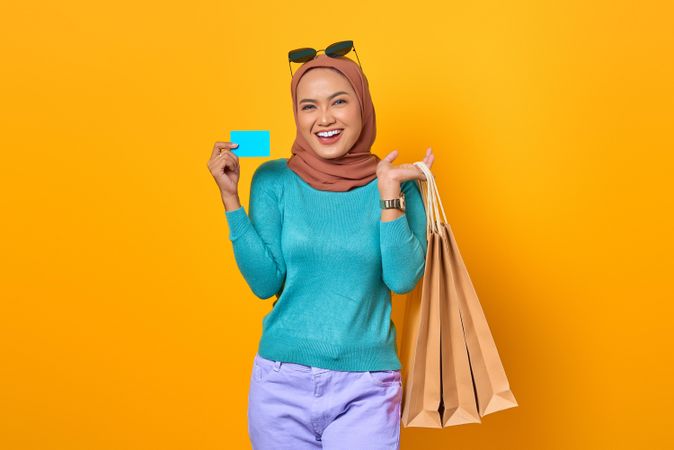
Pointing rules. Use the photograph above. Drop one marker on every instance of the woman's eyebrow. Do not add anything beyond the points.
(333, 95)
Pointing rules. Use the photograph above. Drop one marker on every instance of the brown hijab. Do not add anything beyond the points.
(358, 166)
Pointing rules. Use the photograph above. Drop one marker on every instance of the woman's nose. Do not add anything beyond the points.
(326, 118)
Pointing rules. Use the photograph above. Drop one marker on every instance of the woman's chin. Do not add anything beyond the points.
(330, 153)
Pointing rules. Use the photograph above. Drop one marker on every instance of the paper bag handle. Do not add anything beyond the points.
(432, 199)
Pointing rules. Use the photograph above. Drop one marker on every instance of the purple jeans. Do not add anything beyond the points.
(297, 407)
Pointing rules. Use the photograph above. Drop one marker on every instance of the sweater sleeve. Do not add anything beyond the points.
(403, 243)
(256, 240)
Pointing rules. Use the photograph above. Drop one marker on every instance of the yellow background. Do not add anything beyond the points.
(125, 323)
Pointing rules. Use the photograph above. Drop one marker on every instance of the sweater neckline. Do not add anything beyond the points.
(313, 189)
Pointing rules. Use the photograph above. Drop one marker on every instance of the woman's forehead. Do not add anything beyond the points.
(325, 82)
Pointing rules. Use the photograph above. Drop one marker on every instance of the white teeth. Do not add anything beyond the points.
(329, 133)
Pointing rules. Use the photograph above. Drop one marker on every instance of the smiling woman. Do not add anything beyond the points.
(319, 239)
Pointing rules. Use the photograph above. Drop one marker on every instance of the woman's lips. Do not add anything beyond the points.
(330, 140)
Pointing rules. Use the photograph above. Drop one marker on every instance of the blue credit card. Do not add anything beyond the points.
(251, 142)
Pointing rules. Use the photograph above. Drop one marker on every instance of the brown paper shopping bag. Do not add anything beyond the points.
(440, 387)
(491, 384)
(420, 349)
(436, 370)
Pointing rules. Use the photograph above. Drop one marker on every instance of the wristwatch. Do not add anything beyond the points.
(396, 203)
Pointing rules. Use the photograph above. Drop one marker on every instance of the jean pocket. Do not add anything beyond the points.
(262, 369)
(385, 378)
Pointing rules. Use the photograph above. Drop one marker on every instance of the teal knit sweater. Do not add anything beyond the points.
(331, 262)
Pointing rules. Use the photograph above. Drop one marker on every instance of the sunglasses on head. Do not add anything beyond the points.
(302, 55)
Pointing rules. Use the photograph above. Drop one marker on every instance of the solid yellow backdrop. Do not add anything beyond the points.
(125, 323)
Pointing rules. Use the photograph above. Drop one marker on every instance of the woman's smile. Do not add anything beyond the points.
(327, 140)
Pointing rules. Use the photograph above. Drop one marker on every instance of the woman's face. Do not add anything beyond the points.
(326, 101)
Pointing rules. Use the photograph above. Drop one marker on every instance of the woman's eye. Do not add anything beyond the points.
(338, 100)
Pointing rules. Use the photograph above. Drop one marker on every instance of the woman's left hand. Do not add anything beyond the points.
(387, 173)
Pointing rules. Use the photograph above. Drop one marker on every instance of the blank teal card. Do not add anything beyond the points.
(251, 142)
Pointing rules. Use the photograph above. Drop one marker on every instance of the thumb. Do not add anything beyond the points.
(391, 156)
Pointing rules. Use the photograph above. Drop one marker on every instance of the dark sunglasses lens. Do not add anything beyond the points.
(301, 55)
(339, 48)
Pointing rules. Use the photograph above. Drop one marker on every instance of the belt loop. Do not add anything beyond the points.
(277, 365)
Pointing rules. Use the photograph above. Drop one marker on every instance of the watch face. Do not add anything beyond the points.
(396, 203)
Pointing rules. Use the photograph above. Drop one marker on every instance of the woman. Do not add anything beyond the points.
(327, 373)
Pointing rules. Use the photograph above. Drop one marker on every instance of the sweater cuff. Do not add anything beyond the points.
(239, 223)
(394, 231)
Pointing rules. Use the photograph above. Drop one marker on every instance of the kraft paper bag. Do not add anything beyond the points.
(491, 382)
(441, 312)
(420, 350)
(436, 370)
(458, 393)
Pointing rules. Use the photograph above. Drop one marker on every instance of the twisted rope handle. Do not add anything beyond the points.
(432, 199)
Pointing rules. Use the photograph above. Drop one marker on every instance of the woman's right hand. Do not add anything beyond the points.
(224, 166)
